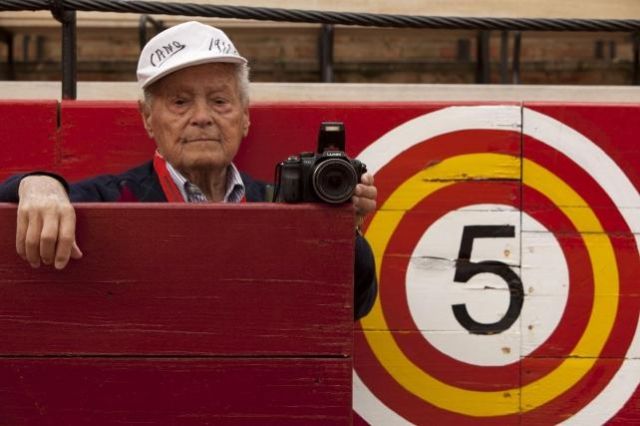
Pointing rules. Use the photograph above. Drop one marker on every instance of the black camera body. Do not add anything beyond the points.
(328, 176)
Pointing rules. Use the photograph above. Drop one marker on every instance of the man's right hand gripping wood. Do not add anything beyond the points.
(46, 228)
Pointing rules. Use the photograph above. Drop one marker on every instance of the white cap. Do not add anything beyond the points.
(182, 46)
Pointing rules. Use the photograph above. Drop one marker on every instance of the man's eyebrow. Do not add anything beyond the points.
(207, 89)
(175, 91)
(218, 87)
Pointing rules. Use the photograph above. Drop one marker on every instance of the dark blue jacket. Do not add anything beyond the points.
(142, 184)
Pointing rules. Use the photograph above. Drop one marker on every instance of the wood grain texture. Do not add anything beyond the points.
(177, 279)
(176, 391)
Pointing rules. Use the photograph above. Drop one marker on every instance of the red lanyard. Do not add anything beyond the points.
(169, 187)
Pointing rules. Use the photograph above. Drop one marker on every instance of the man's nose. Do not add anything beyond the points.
(201, 115)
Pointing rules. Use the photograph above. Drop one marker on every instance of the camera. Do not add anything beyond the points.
(328, 175)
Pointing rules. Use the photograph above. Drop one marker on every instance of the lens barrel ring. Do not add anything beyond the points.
(334, 180)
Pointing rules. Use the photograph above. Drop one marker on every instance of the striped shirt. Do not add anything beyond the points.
(192, 194)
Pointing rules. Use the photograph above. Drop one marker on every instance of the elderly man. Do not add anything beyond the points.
(196, 108)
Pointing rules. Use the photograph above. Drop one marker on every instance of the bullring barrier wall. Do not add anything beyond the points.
(506, 241)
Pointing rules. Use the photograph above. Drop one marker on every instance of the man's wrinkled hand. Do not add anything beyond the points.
(46, 227)
(364, 198)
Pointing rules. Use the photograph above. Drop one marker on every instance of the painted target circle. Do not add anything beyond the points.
(415, 371)
(498, 349)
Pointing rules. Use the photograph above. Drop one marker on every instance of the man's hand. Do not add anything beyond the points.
(46, 229)
(364, 198)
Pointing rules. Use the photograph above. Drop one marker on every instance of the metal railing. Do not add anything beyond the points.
(65, 12)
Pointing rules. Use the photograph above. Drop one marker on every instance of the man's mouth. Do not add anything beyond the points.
(201, 140)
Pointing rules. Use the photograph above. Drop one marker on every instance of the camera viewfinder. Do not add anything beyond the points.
(331, 137)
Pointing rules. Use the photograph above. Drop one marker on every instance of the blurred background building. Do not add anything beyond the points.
(109, 43)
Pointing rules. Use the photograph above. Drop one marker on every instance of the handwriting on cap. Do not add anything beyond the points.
(160, 55)
(222, 46)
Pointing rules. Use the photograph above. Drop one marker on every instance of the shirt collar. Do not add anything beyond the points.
(235, 187)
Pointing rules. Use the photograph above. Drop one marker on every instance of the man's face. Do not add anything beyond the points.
(197, 118)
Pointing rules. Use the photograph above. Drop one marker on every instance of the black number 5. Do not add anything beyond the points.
(465, 269)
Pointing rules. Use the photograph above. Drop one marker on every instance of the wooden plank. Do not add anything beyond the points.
(120, 142)
(28, 129)
(580, 184)
(184, 279)
(578, 146)
(192, 391)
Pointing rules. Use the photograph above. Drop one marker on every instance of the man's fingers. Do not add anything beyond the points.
(364, 206)
(367, 179)
(76, 253)
(49, 238)
(21, 233)
(32, 241)
(364, 198)
(365, 188)
(366, 191)
(66, 238)
(46, 222)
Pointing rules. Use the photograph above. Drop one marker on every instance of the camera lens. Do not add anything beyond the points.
(334, 180)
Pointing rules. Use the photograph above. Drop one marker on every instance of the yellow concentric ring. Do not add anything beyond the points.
(604, 268)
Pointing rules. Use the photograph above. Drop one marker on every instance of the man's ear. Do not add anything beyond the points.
(145, 113)
(246, 122)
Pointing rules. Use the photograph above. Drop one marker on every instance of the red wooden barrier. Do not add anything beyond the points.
(182, 315)
(108, 137)
(28, 131)
(97, 137)
(101, 137)
(559, 183)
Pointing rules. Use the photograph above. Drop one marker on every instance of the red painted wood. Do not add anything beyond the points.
(182, 314)
(108, 137)
(185, 279)
(580, 181)
(175, 391)
(570, 402)
(281, 129)
(28, 135)
(414, 409)
(613, 127)
(100, 137)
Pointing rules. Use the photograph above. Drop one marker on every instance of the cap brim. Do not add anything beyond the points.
(228, 59)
